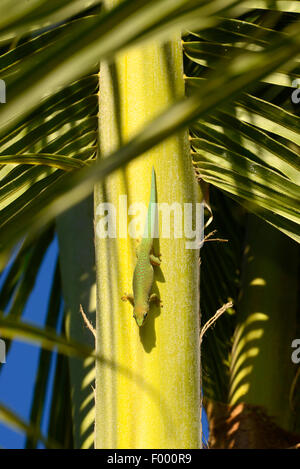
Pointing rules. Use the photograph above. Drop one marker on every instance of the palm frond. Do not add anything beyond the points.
(43, 373)
(239, 148)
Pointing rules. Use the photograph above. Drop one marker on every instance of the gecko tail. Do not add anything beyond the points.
(153, 186)
(151, 225)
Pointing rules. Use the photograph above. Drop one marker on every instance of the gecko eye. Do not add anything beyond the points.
(145, 315)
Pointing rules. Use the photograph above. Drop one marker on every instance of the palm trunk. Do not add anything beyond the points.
(267, 323)
(259, 414)
(77, 262)
(155, 402)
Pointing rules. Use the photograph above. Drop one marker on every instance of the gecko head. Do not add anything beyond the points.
(140, 315)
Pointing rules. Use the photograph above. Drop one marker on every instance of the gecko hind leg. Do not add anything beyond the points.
(155, 260)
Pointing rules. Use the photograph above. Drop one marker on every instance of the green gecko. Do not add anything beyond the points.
(143, 275)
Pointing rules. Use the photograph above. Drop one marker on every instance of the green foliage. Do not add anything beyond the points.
(240, 63)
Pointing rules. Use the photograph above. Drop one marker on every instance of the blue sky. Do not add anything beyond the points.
(17, 376)
(18, 373)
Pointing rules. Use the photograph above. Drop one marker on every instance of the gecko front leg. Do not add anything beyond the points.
(153, 298)
(128, 297)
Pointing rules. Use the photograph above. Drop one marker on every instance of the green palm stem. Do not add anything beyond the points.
(156, 404)
(261, 367)
(77, 261)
